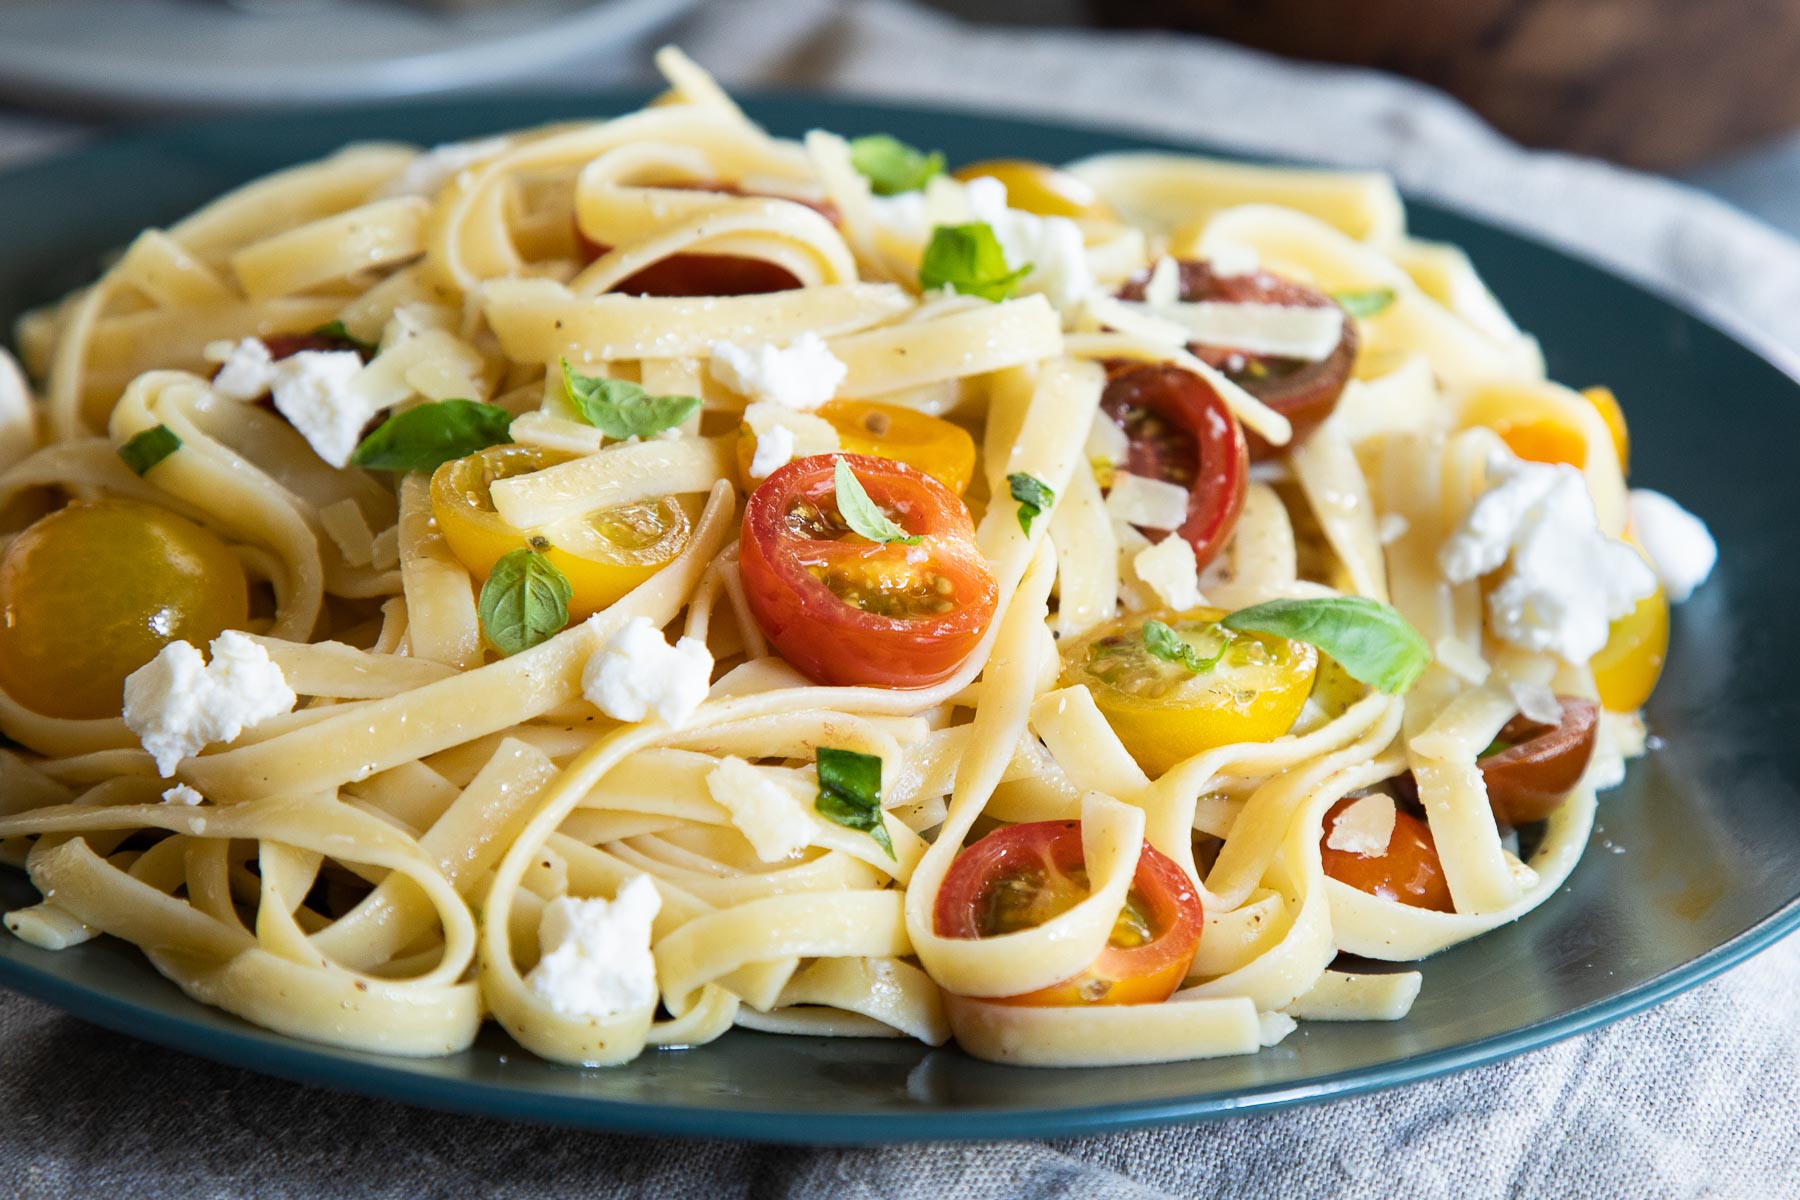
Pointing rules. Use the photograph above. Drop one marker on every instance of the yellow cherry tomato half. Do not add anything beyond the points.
(92, 592)
(1251, 688)
(939, 448)
(1607, 405)
(1628, 666)
(1040, 188)
(603, 554)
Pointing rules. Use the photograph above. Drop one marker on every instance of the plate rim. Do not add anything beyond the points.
(248, 1047)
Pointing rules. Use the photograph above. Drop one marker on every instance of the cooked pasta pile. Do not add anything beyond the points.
(614, 579)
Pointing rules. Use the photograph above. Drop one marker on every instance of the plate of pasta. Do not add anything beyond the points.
(818, 621)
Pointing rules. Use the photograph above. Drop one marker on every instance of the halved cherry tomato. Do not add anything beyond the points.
(935, 446)
(1165, 713)
(1182, 433)
(1532, 773)
(1021, 876)
(1303, 392)
(92, 592)
(846, 610)
(603, 554)
(1607, 405)
(1628, 666)
(708, 274)
(1408, 872)
(1039, 188)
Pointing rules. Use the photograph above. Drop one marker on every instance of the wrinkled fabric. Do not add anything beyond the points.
(1697, 1097)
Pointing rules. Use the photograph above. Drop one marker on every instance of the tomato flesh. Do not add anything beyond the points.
(1179, 431)
(1040, 188)
(1021, 876)
(846, 610)
(1304, 392)
(92, 592)
(1164, 713)
(1538, 764)
(1407, 872)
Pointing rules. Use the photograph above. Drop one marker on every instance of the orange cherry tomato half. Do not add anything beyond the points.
(1039, 188)
(846, 610)
(1408, 872)
(1537, 765)
(1181, 432)
(1021, 876)
(1303, 392)
(942, 450)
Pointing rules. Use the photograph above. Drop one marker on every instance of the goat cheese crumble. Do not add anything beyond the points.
(801, 375)
(767, 814)
(1567, 580)
(1053, 246)
(181, 793)
(177, 704)
(314, 389)
(638, 673)
(1681, 549)
(595, 954)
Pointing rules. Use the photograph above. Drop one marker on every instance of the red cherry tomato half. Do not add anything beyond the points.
(1181, 432)
(1021, 876)
(709, 274)
(1303, 392)
(846, 610)
(1408, 872)
(1531, 776)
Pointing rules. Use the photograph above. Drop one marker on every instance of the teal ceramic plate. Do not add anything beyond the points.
(1695, 862)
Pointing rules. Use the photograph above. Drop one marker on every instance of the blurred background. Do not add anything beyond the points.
(1698, 91)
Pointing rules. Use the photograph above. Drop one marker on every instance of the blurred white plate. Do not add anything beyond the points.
(199, 54)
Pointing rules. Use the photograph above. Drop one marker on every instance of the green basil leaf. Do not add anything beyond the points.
(525, 601)
(1365, 303)
(1369, 639)
(850, 792)
(1033, 495)
(968, 258)
(862, 514)
(891, 166)
(150, 447)
(336, 331)
(426, 436)
(620, 409)
(1166, 644)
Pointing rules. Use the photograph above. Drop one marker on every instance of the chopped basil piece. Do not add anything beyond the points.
(428, 435)
(1365, 303)
(891, 166)
(620, 409)
(850, 792)
(968, 259)
(336, 331)
(1033, 495)
(1166, 644)
(1368, 639)
(150, 447)
(862, 514)
(525, 601)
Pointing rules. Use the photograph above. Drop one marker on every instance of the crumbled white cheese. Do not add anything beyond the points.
(767, 814)
(1391, 528)
(783, 435)
(1272, 1028)
(427, 174)
(802, 375)
(594, 955)
(181, 793)
(638, 673)
(177, 704)
(1164, 284)
(1536, 702)
(1681, 550)
(1568, 581)
(902, 216)
(1106, 441)
(1151, 503)
(1365, 827)
(313, 391)
(1287, 330)
(246, 370)
(1053, 246)
(1169, 569)
(1233, 258)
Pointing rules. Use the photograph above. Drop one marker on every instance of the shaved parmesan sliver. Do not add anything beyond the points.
(1169, 569)
(1286, 330)
(1151, 503)
(767, 814)
(1536, 701)
(1164, 284)
(1106, 442)
(1365, 827)
(1461, 660)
